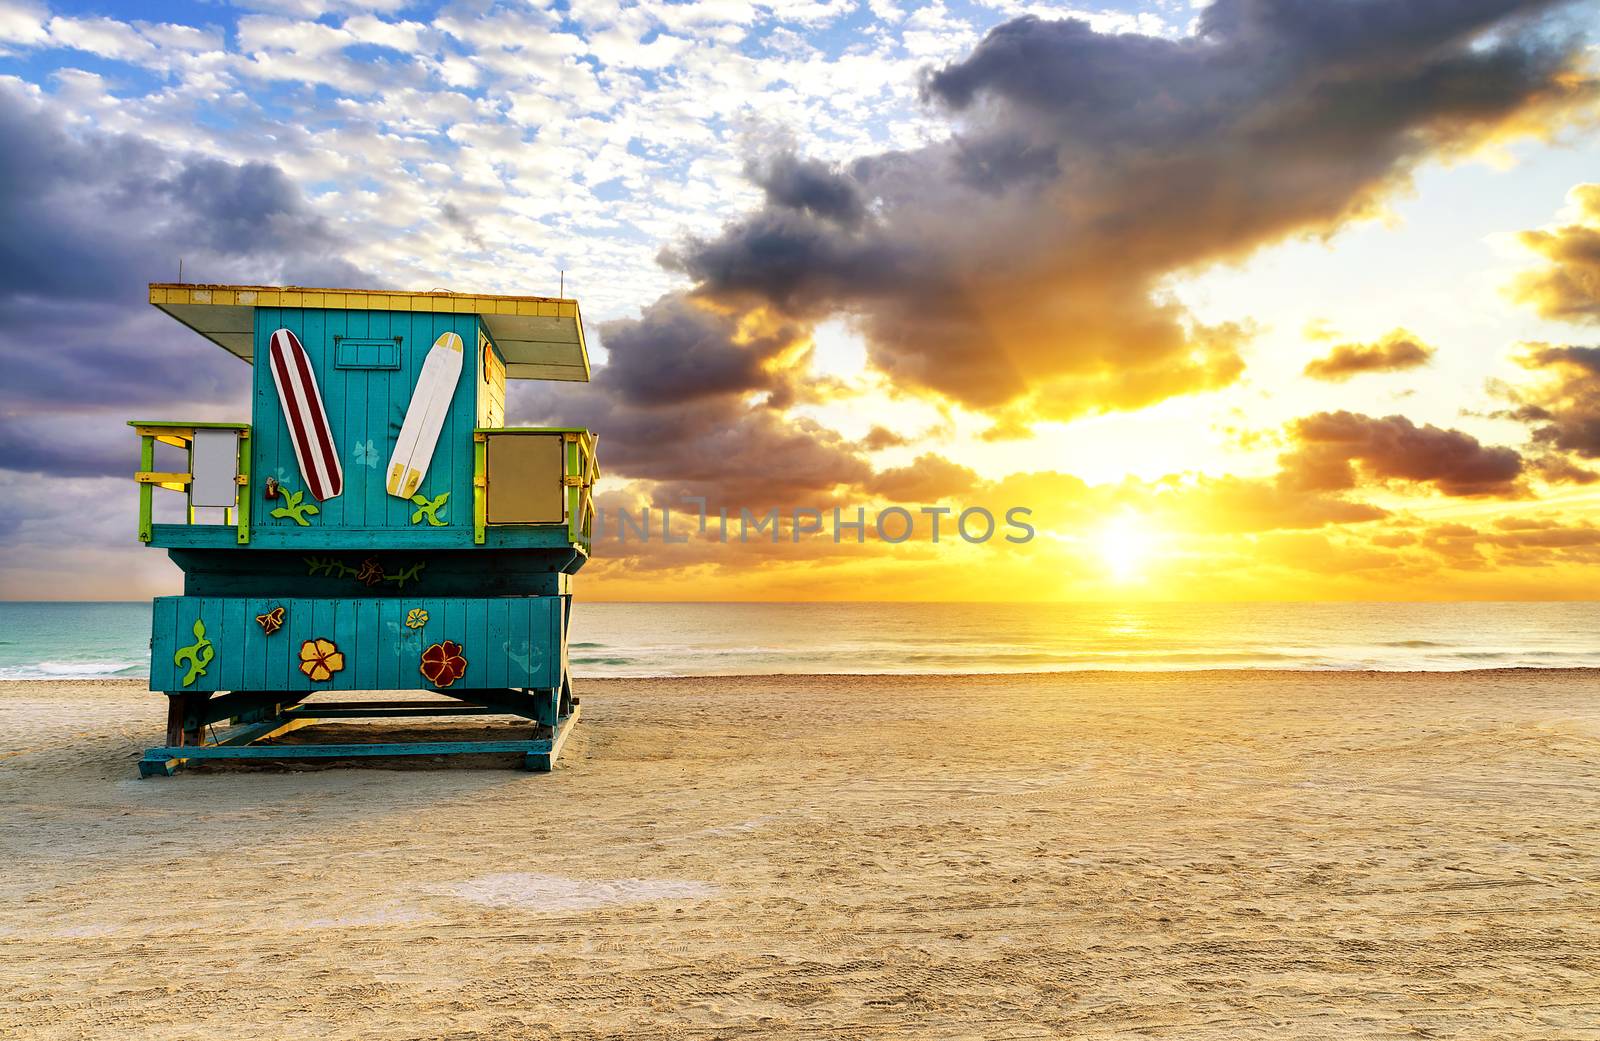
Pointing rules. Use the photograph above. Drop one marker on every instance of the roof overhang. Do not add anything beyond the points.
(540, 337)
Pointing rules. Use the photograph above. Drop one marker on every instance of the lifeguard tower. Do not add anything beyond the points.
(374, 527)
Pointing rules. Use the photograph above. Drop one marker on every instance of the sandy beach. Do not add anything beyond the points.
(1216, 855)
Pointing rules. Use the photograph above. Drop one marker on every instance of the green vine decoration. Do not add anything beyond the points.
(408, 575)
(330, 567)
(429, 508)
(370, 573)
(294, 509)
(198, 654)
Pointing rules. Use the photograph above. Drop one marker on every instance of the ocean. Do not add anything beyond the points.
(109, 640)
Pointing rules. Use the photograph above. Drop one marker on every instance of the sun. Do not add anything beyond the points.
(1125, 545)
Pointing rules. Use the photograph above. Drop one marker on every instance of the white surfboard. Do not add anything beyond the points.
(430, 402)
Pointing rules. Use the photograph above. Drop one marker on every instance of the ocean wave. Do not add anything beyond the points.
(74, 670)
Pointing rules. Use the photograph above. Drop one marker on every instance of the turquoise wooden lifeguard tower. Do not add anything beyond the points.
(374, 527)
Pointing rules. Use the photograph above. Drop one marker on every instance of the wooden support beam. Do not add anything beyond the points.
(544, 760)
(536, 705)
(314, 707)
(249, 706)
(360, 711)
(239, 736)
(537, 746)
(166, 479)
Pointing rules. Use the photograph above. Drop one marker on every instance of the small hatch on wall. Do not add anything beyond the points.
(353, 352)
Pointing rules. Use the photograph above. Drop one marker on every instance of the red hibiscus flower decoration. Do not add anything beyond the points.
(443, 664)
(371, 572)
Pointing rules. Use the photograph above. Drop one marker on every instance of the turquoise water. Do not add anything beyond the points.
(60, 640)
(68, 640)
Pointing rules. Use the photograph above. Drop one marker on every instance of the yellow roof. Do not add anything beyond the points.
(540, 336)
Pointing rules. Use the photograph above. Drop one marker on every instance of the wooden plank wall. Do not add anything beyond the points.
(491, 370)
(364, 405)
(509, 641)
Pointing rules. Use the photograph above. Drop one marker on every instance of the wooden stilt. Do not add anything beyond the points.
(186, 717)
(174, 719)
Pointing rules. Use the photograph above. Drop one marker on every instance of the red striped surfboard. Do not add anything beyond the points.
(308, 420)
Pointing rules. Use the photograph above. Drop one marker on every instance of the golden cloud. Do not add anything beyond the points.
(1396, 351)
(1567, 287)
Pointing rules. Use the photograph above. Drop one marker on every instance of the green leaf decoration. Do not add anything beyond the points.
(198, 654)
(429, 508)
(295, 510)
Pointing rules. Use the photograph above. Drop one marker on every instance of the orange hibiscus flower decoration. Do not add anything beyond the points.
(320, 659)
(443, 664)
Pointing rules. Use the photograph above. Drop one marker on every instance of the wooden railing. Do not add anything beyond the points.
(580, 471)
(182, 435)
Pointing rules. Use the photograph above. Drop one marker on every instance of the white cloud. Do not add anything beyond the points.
(410, 37)
(617, 47)
(810, 12)
(305, 39)
(22, 23)
(169, 37)
(105, 37)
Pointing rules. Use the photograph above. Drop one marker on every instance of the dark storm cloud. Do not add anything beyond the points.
(91, 218)
(809, 186)
(1397, 351)
(732, 455)
(677, 351)
(1021, 259)
(1335, 451)
(70, 446)
(1561, 402)
(687, 400)
(96, 215)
